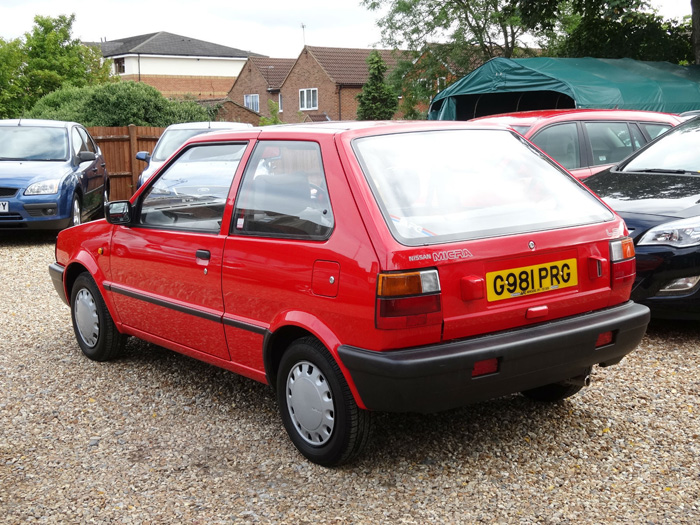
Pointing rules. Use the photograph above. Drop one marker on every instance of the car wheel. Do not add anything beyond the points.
(94, 328)
(316, 405)
(556, 391)
(76, 211)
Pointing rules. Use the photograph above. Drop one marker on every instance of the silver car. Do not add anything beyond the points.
(175, 136)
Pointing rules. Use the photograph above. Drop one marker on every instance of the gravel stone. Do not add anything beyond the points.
(156, 437)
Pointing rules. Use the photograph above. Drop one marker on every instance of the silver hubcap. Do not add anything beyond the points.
(86, 318)
(310, 403)
(76, 212)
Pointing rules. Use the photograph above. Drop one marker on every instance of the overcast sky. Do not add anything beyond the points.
(272, 28)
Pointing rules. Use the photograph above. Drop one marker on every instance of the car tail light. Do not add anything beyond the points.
(622, 262)
(408, 299)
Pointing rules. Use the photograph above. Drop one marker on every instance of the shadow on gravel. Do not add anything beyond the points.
(507, 426)
(500, 427)
(670, 328)
(185, 376)
(27, 237)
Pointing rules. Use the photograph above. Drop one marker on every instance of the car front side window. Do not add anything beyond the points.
(191, 194)
(561, 143)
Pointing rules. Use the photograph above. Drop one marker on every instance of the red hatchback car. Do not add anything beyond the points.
(586, 141)
(360, 267)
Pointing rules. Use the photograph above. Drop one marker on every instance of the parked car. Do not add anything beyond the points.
(175, 136)
(361, 267)
(586, 141)
(657, 192)
(52, 175)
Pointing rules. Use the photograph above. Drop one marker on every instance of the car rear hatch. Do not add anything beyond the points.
(486, 234)
(505, 283)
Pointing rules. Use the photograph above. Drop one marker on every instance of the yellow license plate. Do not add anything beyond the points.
(528, 280)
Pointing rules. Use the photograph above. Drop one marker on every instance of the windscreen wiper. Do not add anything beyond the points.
(662, 170)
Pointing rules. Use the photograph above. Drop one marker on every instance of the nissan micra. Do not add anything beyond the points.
(361, 267)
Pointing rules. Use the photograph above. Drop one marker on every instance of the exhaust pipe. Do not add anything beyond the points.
(582, 380)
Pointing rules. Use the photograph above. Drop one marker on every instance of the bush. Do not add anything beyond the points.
(117, 104)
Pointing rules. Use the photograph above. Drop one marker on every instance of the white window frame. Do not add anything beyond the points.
(279, 100)
(252, 102)
(306, 99)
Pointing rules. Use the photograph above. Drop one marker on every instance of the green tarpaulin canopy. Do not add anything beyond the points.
(506, 85)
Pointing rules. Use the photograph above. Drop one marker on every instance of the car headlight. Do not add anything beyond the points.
(681, 234)
(44, 187)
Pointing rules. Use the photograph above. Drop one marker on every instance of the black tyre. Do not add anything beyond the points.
(76, 211)
(555, 391)
(94, 328)
(317, 407)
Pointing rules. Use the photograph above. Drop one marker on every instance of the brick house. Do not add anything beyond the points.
(229, 111)
(177, 65)
(324, 81)
(260, 80)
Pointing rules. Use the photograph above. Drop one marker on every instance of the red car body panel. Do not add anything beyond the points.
(226, 298)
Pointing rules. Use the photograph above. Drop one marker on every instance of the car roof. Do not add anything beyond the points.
(354, 128)
(529, 118)
(38, 122)
(214, 124)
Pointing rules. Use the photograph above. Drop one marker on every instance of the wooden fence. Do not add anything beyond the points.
(119, 147)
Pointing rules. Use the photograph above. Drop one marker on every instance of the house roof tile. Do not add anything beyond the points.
(164, 43)
(274, 70)
(347, 66)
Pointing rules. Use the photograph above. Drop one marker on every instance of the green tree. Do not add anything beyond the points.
(695, 22)
(377, 101)
(117, 104)
(12, 86)
(470, 32)
(42, 61)
(607, 29)
(53, 58)
(640, 36)
(483, 28)
(274, 118)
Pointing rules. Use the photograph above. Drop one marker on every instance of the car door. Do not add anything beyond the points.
(166, 268)
(90, 173)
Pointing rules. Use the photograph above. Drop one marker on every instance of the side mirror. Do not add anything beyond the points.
(86, 156)
(118, 212)
(144, 156)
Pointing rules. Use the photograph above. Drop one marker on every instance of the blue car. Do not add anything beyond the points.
(52, 175)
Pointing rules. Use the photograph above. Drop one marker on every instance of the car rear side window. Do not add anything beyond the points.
(191, 194)
(610, 141)
(442, 186)
(284, 193)
(654, 130)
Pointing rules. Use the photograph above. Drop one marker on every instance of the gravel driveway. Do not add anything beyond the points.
(156, 437)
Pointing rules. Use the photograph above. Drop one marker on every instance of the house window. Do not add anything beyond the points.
(441, 83)
(252, 102)
(308, 98)
(279, 98)
(119, 66)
